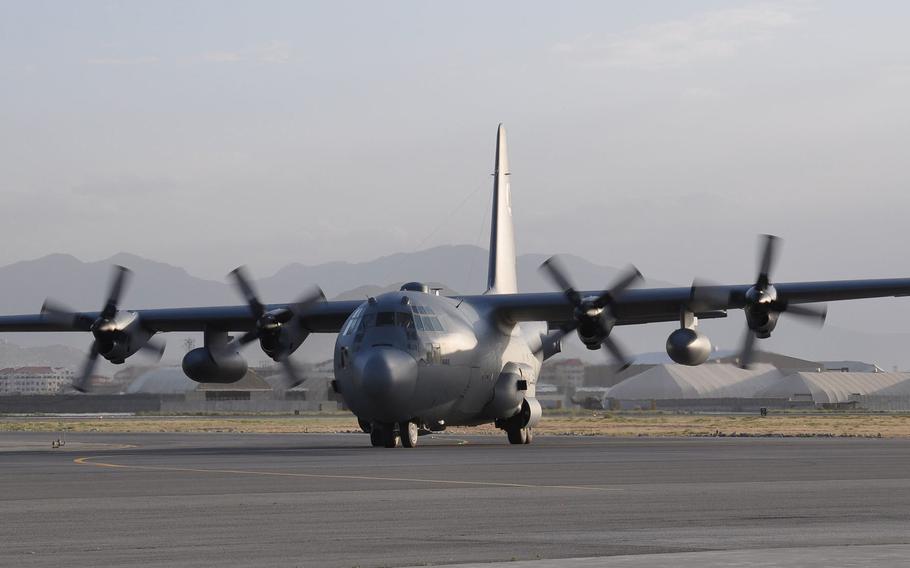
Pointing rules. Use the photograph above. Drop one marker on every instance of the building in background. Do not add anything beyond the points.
(34, 380)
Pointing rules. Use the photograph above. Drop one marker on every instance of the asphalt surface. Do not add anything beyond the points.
(330, 500)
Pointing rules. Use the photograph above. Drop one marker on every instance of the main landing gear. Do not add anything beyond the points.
(520, 435)
(394, 435)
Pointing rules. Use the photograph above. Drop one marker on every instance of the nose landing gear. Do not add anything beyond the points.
(394, 435)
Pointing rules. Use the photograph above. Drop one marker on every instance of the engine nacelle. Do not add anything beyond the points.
(761, 322)
(119, 337)
(688, 347)
(760, 318)
(204, 366)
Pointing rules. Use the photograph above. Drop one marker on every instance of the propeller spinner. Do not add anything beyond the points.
(593, 317)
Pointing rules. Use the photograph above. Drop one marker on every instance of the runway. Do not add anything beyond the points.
(330, 500)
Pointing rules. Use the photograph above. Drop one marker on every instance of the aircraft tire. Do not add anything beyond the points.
(408, 432)
(388, 435)
(517, 436)
(376, 438)
(529, 436)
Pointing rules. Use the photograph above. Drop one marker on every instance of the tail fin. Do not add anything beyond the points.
(502, 274)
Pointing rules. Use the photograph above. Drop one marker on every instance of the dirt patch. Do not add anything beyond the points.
(591, 424)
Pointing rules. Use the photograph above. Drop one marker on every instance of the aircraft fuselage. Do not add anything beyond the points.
(415, 356)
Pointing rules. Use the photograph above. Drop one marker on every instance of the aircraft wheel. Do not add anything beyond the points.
(376, 439)
(517, 435)
(408, 432)
(387, 435)
(529, 436)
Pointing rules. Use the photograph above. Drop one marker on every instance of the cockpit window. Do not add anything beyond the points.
(360, 321)
(353, 321)
(404, 319)
(428, 323)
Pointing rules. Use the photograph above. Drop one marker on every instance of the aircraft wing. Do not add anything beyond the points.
(322, 317)
(665, 304)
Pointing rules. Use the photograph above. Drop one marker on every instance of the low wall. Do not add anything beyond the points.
(707, 404)
(81, 404)
(168, 404)
(881, 403)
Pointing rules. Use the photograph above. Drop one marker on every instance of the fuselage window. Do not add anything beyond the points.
(385, 318)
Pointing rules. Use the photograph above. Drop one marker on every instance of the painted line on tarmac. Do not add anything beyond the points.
(89, 460)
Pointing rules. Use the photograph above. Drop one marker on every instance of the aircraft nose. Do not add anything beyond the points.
(387, 374)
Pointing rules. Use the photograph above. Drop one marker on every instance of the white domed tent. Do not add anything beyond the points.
(836, 387)
(708, 381)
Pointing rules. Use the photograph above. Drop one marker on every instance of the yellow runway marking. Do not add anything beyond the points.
(88, 460)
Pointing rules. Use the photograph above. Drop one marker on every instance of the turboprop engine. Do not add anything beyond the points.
(688, 347)
(117, 334)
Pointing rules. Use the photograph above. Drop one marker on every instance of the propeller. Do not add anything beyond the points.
(271, 326)
(593, 316)
(106, 328)
(762, 306)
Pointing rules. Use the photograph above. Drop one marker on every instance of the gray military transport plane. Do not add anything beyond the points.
(413, 361)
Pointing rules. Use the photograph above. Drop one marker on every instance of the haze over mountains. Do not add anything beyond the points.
(460, 268)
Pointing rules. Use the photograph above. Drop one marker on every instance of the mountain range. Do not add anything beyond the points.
(459, 269)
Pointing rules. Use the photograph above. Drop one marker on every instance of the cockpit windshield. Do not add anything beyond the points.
(423, 318)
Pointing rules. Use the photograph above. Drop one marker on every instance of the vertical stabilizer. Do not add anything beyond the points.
(502, 278)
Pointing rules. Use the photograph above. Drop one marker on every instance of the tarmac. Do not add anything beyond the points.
(331, 500)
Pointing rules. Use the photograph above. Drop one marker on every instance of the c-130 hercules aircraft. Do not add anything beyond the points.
(412, 361)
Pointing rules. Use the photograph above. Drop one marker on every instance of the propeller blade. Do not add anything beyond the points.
(557, 273)
(312, 296)
(61, 314)
(618, 353)
(768, 256)
(155, 347)
(118, 283)
(241, 277)
(291, 377)
(747, 353)
(705, 296)
(247, 337)
(82, 383)
(627, 278)
(563, 331)
(811, 314)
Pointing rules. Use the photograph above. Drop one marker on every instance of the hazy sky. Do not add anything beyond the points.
(209, 134)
